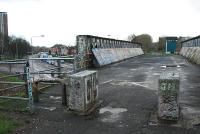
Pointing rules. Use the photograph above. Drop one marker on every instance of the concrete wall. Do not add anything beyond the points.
(192, 53)
(111, 55)
(191, 49)
(99, 50)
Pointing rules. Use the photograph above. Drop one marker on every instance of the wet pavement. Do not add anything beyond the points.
(129, 93)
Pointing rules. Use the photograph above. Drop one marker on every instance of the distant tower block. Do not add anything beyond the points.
(83, 92)
(168, 96)
(3, 31)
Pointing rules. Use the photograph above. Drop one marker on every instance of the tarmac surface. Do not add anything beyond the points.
(129, 93)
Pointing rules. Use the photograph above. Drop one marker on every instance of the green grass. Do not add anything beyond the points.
(13, 105)
(10, 79)
(21, 94)
(7, 125)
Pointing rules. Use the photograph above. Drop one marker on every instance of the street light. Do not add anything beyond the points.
(32, 41)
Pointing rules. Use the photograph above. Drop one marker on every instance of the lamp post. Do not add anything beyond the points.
(32, 41)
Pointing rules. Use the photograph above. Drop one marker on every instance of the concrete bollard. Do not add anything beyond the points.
(168, 96)
(83, 92)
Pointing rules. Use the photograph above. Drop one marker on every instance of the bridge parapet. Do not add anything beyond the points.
(191, 49)
(111, 49)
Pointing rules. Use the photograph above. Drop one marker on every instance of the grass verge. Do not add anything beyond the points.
(11, 79)
(7, 125)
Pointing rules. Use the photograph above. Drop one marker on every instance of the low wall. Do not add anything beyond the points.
(192, 53)
(107, 56)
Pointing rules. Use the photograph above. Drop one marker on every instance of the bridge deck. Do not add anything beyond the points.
(129, 92)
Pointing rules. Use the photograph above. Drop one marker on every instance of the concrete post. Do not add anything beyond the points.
(168, 96)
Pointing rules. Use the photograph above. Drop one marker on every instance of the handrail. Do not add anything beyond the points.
(16, 83)
(5, 62)
(51, 58)
(3, 77)
(11, 87)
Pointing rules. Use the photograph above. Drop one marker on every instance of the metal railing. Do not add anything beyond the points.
(192, 42)
(78, 65)
(27, 83)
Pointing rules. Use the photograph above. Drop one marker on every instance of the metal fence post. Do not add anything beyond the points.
(59, 68)
(35, 92)
(64, 95)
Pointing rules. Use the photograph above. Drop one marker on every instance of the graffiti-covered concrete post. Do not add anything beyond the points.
(168, 96)
(83, 92)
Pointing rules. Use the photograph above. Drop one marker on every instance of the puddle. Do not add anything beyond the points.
(156, 74)
(133, 69)
(55, 97)
(163, 66)
(48, 108)
(111, 114)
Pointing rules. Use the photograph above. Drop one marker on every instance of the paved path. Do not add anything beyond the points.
(129, 92)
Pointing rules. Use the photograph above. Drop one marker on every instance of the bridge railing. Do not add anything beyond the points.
(192, 42)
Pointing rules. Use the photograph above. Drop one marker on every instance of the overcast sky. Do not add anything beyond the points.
(61, 20)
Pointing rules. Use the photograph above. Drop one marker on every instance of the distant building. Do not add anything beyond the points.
(72, 50)
(167, 44)
(59, 49)
(3, 30)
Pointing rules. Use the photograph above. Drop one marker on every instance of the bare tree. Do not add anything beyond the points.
(131, 37)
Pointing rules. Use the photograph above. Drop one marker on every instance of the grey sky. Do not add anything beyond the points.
(61, 20)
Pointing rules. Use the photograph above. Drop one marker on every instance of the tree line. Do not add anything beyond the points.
(145, 39)
(15, 48)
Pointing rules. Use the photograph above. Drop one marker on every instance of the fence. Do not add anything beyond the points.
(28, 80)
(27, 83)
(86, 43)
